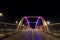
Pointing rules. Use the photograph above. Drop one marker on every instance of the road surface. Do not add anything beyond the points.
(33, 34)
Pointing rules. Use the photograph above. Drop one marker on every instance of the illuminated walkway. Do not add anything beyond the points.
(31, 34)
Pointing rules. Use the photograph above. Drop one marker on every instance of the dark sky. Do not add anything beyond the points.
(14, 10)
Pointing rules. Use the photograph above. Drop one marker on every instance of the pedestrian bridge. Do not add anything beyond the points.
(32, 22)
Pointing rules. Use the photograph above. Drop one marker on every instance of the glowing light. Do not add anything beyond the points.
(37, 20)
(32, 22)
(28, 24)
(39, 17)
(1, 14)
(16, 21)
(27, 21)
(23, 25)
(48, 22)
(25, 17)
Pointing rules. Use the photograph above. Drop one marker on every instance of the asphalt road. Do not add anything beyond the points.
(32, 34)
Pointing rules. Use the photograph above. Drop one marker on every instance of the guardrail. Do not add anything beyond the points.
(54, 29)
(7, 29)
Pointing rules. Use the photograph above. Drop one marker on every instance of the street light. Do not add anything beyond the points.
(1, 14)
(48, 22)
(16, 22)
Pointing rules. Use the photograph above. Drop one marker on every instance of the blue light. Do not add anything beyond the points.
(37, 37)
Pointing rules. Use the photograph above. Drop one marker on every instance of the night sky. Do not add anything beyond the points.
(15, 10)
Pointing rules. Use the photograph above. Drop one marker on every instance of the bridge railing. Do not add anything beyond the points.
(7, 29)
(55, 27)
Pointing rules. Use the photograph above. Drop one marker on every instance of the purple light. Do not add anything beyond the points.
(28, 23)
(25, 17)
(27, 20)
(34, 17)
(37, 20)
(39, 17)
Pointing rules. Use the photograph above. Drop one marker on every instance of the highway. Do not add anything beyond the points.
(31, 34)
